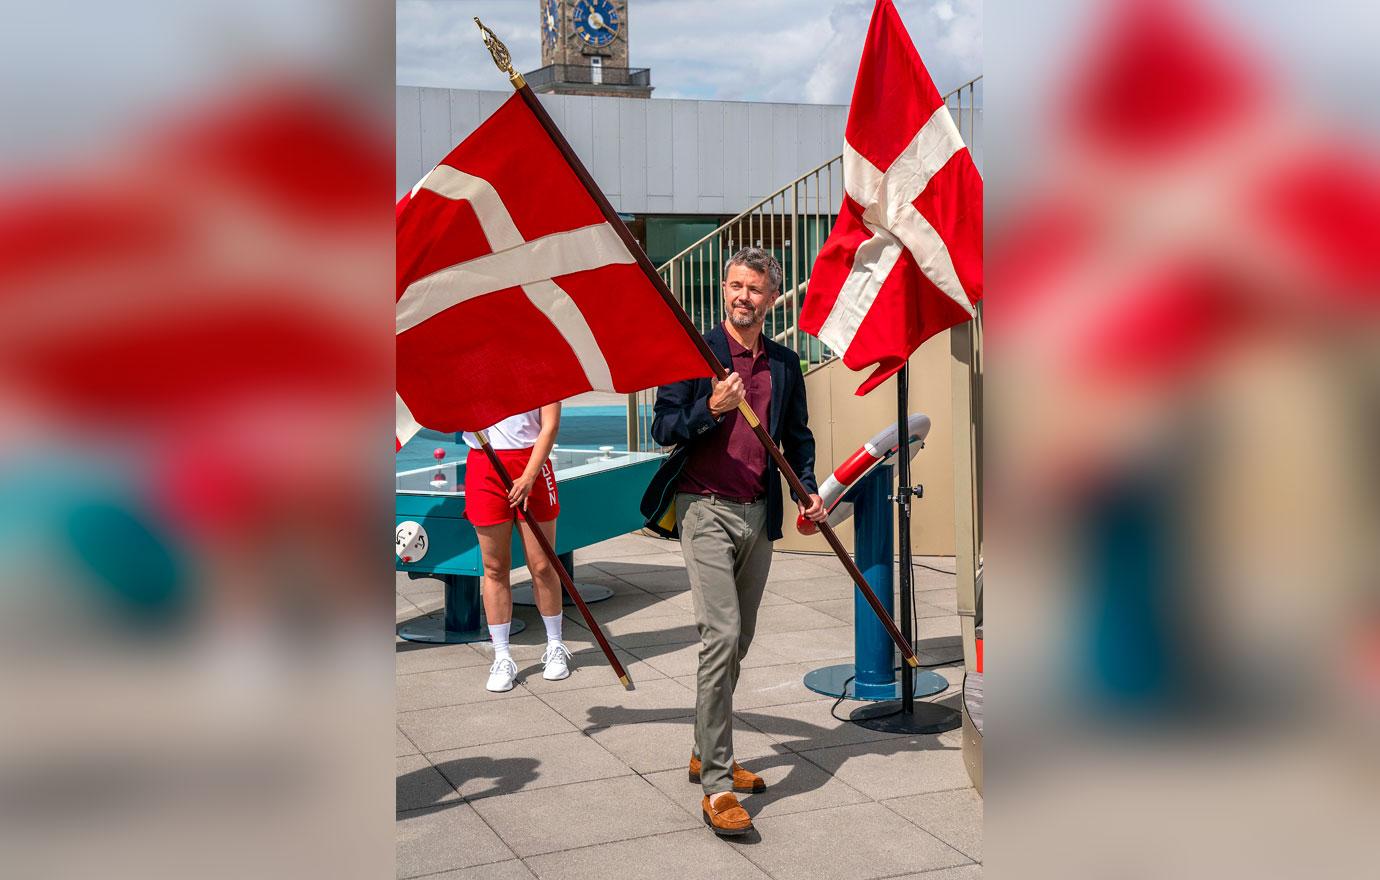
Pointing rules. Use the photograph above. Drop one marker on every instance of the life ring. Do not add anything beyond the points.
(858, 465)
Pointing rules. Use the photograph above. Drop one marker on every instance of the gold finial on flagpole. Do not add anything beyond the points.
(500, 55)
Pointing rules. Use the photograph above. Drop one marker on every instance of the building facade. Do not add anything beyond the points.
(676, 169)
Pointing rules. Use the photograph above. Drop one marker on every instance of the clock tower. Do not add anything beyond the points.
(584, 50)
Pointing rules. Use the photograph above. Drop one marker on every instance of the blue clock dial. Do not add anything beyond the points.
(550, 22)
(596, 21)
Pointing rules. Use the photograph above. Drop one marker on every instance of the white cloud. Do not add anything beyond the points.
(766, 50)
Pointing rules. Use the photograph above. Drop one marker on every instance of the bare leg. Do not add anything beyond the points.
(546, 584)
(495, 545)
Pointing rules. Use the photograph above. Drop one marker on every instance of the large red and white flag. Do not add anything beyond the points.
(904, 260)
(514, 291)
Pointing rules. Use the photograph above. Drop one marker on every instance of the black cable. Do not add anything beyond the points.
(832, 709)
(931, 567)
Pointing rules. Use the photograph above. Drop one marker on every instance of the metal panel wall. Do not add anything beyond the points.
(649, 156)
(408, 147)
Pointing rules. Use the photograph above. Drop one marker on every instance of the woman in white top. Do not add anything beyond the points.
(523, 443)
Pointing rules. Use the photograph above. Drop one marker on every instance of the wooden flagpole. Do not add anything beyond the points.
(505, 64)
(556, 563)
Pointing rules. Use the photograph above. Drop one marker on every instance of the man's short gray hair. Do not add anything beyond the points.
(758, 260)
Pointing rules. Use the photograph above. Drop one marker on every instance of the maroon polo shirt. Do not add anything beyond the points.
(731, 462)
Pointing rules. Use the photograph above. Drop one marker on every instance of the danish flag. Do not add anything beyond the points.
(515, 291)
(904, 260)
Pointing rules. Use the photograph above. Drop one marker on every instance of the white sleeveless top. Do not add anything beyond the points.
(515, 432)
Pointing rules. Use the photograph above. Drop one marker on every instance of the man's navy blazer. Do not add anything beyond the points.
(681, 418)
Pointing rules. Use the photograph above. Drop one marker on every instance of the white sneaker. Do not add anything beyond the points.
(501, 675)
(556, 662)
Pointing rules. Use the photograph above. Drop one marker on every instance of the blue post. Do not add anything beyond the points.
(875, 660)
(874, 654)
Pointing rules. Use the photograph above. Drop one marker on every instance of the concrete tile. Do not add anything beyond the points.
(791, 617)
(686, 600)
(925, 609)
(946, 599)
(411, 657)
(789, 567)
(405, 746)
(955, 817)
(686, 855)
(797, 847)
(962, 872)
(939, 627)
(665, 630)
(458, 727)
(583, 573)
(669, 558)
(793, 786)
(683, 658)
(943, 646)
(501, 768)
(813, 646)
(419, 785)
(655, 612)
(512, 870)
(587, 813)
(589, 668)
(839, 609)
(428, 841)
(595, 708)
(628, 545)
(447, 687)
(666, 744)
(621, 605)
(659, 579)
(823, 557)
(809, 725)
(423, 589)
(897, 767)
(928, 579)
(767, 685)
(944, 562)
(589, 574)
(426, 605)
(811, 589)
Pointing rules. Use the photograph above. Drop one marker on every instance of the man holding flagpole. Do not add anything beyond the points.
(721, 492)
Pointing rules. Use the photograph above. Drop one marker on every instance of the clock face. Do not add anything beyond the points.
(550, 20)
(596, 21)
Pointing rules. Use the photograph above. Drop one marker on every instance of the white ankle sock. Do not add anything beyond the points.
(553, 627)
(499, 633)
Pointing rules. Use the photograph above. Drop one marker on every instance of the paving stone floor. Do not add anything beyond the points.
(583, 779)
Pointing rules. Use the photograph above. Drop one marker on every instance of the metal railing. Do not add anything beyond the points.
(584, 74)
(793, 224)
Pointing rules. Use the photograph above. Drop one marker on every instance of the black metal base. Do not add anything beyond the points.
(926, 718)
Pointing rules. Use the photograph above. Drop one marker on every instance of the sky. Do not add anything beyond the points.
(802, 51)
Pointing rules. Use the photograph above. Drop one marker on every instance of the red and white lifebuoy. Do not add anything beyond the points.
(858, 465)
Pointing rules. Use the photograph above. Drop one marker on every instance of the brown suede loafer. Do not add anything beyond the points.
(744, 781)
(724, 815)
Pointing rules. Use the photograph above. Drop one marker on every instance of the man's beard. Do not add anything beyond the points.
(741, 321)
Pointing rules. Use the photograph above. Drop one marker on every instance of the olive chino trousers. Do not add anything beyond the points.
(727, 556)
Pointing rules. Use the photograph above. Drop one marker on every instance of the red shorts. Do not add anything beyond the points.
(486, 501)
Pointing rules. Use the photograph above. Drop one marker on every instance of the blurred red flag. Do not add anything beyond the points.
(904, 260)
(514, 291)
(1173, 228)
